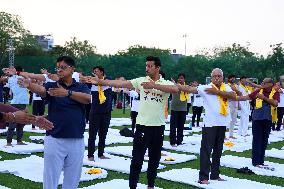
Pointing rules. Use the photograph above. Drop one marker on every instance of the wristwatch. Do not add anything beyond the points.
(70, 93)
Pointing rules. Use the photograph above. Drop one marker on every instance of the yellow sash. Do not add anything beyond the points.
(244, 87)
(102, 97)
(224, 103)
(258, 104)
(183, 96)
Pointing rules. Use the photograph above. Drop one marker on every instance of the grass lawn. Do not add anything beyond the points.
(15, 182)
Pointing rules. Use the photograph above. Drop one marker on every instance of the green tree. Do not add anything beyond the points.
(79, 49)
(11, 27)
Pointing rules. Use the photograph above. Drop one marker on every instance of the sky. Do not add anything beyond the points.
(113, 25)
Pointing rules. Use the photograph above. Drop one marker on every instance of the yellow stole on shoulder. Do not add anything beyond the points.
(244, 87)
(258, 104)
(224, 103)
(102, 97)
(183, 96)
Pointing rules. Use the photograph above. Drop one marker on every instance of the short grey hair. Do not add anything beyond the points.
(217, 69)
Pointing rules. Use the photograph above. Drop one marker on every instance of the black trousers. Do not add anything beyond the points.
(212, 138)
(87, 110)
(19, 127)
(177, 126)
(99, 124)
(188, 107)
(260, 133)
(150, 137)
(38, 108)
(133, 116)
(196, 111)
(280, 113)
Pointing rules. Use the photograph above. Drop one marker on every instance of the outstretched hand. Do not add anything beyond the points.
(43, 123)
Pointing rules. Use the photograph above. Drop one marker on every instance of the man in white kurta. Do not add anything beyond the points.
(245, 108)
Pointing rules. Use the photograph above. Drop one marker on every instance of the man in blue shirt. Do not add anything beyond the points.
(64, 144)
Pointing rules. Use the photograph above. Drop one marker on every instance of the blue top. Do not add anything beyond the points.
(105, 107)
(264, 113)
(20, 94)
(66, 114)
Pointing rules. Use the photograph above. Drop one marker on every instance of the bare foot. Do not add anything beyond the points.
(104, 157)
(150, 187)
(21, 143)
(91, 158)
(203, 182)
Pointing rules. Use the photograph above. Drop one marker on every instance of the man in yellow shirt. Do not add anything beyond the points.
(150, 123)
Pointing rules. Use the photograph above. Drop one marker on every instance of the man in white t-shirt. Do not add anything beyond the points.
(245, 107)
(217, 117)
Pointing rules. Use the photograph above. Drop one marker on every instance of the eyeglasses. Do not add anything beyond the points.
(63, 68)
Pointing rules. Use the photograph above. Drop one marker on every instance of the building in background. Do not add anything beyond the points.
(45, 41)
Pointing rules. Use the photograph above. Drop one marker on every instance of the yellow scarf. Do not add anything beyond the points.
(258, 104)
(224, 103)
(250, 89)
(244, 87)
(183, 96)
(102, 97)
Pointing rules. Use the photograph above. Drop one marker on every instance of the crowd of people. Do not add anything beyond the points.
(89, 99)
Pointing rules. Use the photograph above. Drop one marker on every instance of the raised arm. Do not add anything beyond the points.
(35, 88)
(229, 95)
(106, 82)
(187, 88)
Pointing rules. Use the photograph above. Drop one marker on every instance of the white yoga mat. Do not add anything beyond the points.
(275, 153)
(279, 134)
(3, 187)
(110, 139)
(20, 149)
(36, 137)
(120, 121)
(239, 162)
(28, 128)
(183, 148)
(194, 129)
(115, 163)
(3, 130)
(116, 183)
(190, 176)
(127, 151)
(31, 168)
